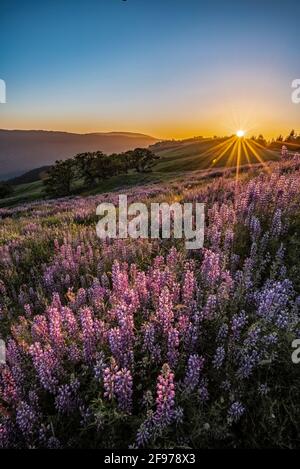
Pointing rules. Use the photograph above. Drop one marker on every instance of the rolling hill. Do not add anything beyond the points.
(208, 153)
(24, 150)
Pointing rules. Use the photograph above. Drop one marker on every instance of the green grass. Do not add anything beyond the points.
(197, 155)
(24, 193)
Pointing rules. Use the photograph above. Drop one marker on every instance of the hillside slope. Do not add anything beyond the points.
(205, 153)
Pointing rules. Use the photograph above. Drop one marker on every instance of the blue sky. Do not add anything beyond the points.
(163, 67)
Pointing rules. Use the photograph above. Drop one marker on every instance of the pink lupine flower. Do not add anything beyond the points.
(189, 287)
(88, 336)
(165, 396)
(164, 313)
(55, 331)
(210, 269)
(109, 379)
(8, 388)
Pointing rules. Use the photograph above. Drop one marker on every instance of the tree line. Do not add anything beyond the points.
(90, 168)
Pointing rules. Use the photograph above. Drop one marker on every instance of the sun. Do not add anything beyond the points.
(240, 133)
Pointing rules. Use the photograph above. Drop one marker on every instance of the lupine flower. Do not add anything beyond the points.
(46, 364)
(195, 366)
(88, 336)
(189, 287)
(236, 411)
(26, 419)
(237, 323)
(67, 399)
(165, 396)
(164, 313)
(219, 357)
(109, 377)
(203, 390)
(123, 389)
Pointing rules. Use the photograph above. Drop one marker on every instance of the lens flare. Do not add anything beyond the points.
(240, 133)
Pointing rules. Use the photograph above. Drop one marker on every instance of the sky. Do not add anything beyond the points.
(167, 68)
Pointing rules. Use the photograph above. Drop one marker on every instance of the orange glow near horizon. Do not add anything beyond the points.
(156, 132)
(178, 124)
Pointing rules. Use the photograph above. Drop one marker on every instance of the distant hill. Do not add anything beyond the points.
(30, 176)
(24, 150)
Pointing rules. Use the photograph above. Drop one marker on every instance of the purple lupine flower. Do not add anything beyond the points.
(255, 228)
(210, 269)
(210, 307)
(66, 399)
(237, 324)
(26, 419)
(248, 361)
(223, 332)
(123, 390)
(236, 410)
(274, 299)
(277, 225)
(7, 433)
(46, 364)
(252, 337)
(228, 240)
(178, 415)
(99, 366)
(270, 339)
(203, 390)
(80, 299)
(145, 432)
(263, 389)
(219, 357)
(148, 330)
(195, 366)
(121, 344)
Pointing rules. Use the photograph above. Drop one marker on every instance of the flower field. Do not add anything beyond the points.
(140, 343)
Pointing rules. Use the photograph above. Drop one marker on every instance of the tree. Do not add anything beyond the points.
(142, 159)
(292, 136)
(5, 190)
(86, 166)
(60, 178)
(261, 140)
